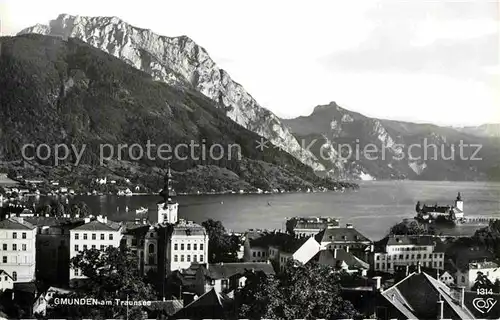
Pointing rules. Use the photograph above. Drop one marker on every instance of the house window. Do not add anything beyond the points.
(24, 235)
(189, 246)
(77, 236)
(188, 258)
(84, 247)
(6, 278)
(253, 253)
(195, 246)
(463, 279)
(102, 236)
(425, 256)
(388, 266)
(401, 257)
(14, 247)
(377, 266)
(76, 272)
(182, 246)
(110, 236)
(76, 247)
(407, 256)
(195, 258)
(151, 235)
(102, 247)
(176, 258)
(151, 248)
(14, 276)
(24, 247)
(94, 237)
(175, 247)
(14, 235)
(84, 236)
(5, 246)
(258, 254)
(182, 258)
(201, 258)
(201, 246)
(4, 259)
(412, 256)
(441, 264)
(93, 246)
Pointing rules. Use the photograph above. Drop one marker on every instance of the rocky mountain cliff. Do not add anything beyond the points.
(56, 92)
(178, 61)
(351, 145)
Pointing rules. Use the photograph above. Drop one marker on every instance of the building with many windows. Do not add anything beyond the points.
(18, 249)
(188, 244)
(96, 233)
(473, 271)
(399, 251)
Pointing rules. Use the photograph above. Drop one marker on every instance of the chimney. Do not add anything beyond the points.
(440, 308)
(462, 296)
(377, 282)
(347, 249)
(437, 276)
(407, 271)
(335, 253)
(418, 267)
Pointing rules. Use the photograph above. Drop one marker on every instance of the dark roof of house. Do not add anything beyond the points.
(15, 224)
(137, 230)
(347, 234)
(417, 296)
(284, 241)
(25, 287)
(436, 208)
(95, 225)
(227, 270)
(211, 305)
(170, 307)
(51, 221)
(335, 258)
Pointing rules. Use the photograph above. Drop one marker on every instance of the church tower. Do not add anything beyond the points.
(168, 207)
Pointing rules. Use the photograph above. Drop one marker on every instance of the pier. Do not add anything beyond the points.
(479, 219)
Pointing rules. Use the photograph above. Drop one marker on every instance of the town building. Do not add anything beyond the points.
(468, 276)
(6, 281)
(309, 226)
(96, 233)
(18, 249)
(168, 208)
(398, 251)
(446, 278)
(188, 244)
(343, 261)
(226, 277)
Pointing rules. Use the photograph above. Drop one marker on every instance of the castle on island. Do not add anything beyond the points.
(436, 213)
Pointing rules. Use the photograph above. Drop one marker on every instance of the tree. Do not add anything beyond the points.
(111, 274)
(222, 247)
(482, 282)
(300, 291)
(411, 227)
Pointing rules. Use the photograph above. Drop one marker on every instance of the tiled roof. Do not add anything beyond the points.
(211, 305)
(95, 225)
(341, 235)
(417, 296)
(50, 221)
(425, 240)
(227, 270)
(330, 258)
(16, 224)
(285, 242)
(169, 306)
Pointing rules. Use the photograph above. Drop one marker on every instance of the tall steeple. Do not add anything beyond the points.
(168, 207)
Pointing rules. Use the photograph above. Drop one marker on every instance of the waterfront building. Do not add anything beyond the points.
(18, 249)
(96, 233)
(398, 251)
(472, 272)
(309, 226)
(343, 261)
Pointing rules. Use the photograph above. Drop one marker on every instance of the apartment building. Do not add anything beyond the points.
(95, 233)
(399, 251)
(18, 249)
(188, 244)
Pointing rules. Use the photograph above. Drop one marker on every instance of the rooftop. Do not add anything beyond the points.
(96, 225)
(283, 241)
(15, 223)
(183, 228)
(336, 257)
(483, 265)
(227, 270)
(346, 234)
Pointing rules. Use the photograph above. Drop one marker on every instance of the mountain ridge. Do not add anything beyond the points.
(175, 57)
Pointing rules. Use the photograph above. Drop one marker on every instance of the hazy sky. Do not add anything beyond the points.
(426, 61)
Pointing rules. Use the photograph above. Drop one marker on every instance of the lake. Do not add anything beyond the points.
(372, 209)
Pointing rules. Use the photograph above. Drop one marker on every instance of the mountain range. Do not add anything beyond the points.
(316, 140)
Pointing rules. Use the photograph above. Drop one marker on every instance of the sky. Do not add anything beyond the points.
(422, 61)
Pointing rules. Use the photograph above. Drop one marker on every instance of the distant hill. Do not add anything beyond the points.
(330, 126)
(485, 130)
(55, 91)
